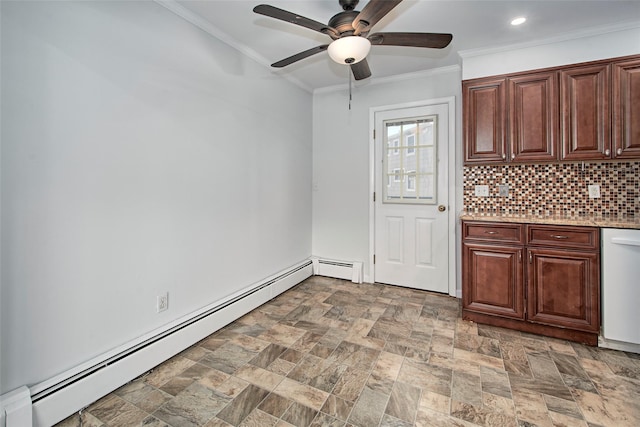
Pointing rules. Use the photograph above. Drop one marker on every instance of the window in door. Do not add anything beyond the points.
(411, 171)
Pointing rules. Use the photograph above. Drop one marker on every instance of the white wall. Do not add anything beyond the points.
(139, 155)
(341, 194)
(610, 43)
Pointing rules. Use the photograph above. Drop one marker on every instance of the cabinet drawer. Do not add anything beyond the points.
(492, 232)
(563, 236)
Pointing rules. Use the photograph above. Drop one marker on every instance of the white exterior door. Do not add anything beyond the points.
(411, 183)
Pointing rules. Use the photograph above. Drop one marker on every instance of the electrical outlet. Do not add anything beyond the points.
(504, 190)
(482, 190)
(162, 302)
(594, 191)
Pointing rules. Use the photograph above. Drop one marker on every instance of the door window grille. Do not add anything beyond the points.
(411, 161)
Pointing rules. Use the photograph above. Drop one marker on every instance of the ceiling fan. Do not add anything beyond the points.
(349, 31)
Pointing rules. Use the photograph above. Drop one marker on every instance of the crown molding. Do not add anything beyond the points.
(214, 31)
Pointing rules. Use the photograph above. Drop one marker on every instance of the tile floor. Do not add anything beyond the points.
(333, 353)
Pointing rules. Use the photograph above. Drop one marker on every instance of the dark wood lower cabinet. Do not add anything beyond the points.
(493, 279)
(563, 289)
(547, 282)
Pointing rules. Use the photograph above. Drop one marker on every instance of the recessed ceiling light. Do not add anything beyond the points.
(518, 21)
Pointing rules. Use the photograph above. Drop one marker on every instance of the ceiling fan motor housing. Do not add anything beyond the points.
(348, 4)
(342, 22)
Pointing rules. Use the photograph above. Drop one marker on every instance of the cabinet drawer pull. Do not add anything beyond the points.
(491, 232)
(559, 237)
(530, 258)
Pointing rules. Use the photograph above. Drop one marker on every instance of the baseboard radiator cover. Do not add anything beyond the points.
(347, 270)
(16, 408)
(56, 399)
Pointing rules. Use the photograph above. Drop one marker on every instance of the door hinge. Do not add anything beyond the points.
(374, 258)
(374, 134)
(374, 196)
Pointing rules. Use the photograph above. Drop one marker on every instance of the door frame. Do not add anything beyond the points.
(450, 102)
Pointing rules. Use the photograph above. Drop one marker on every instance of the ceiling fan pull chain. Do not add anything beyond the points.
(349, 73)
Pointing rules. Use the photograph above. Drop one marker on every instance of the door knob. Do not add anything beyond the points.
(442, 208)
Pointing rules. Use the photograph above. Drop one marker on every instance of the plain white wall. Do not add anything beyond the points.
(139, 155)
(341, 193)
(611, 43)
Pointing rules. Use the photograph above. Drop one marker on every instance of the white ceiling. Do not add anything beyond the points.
(475, 24)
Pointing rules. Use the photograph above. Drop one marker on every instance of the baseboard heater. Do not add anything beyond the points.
(339, 269)
(56, 399)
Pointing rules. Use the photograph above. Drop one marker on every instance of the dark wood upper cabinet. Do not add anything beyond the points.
(579, 112)
(533, 117)
(584, 110)
(484, 118)
(626, 109)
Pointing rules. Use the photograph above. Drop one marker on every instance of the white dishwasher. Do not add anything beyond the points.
(620, 289)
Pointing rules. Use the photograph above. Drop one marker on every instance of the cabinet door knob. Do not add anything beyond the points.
(504, 157)
(619, 151)
(513, 156)
(607, 152)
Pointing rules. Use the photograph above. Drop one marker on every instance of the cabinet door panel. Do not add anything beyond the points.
(584, 109)
(484, 119)
(533, 120)
(492, 280)
(563, 289)
(626, 109)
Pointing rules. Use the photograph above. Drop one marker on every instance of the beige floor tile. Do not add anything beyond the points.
(562, 420)
(499, 404)
(166, 371)
(435, 402)
(480, 359)
(301, 393)
(258, 376)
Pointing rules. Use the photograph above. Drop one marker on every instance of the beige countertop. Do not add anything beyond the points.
(557, 219)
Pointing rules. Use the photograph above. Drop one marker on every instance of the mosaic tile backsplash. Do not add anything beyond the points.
(555, 189)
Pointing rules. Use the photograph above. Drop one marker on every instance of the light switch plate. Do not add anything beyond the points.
(594, 191)
(482, 191)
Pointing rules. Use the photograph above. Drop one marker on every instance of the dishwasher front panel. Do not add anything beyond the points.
(621, 285)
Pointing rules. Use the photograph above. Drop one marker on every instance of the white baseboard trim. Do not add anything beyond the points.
(56, 399)
(618, 345)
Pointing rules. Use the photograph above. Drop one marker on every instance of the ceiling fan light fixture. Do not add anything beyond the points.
(349, 49)
(518, 21)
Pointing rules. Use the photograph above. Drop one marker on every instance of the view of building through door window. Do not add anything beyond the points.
(410, 161)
